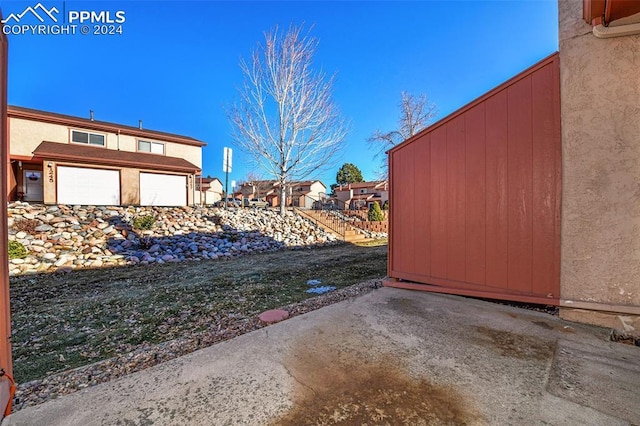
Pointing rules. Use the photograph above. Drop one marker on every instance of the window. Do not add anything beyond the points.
(78, 136)
(153, 147)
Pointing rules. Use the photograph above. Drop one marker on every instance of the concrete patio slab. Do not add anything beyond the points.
(392, 356)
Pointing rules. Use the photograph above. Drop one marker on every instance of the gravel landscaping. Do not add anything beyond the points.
(63, 238)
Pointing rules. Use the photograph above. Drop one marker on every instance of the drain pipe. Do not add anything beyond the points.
(627, 26)
(601, 31)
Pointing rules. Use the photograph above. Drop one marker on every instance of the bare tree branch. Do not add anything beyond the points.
(416, 113)
(285, 118)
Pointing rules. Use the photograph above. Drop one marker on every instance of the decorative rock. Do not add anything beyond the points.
(81, 236)
(273, 316)
(50, 256)
(61, 261)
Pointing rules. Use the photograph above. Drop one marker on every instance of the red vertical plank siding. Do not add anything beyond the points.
(520, 185)
(439, 202)
(394, 248)
(496, 187)
(456, 199)
(403, 221)
(544, 156)
(476, 196)
(422, 209)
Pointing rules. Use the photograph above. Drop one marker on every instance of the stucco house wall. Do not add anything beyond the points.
(212, 193)
(600, 104)
(26, 135)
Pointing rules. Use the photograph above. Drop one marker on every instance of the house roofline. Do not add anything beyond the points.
(85, 123)
(100, 156)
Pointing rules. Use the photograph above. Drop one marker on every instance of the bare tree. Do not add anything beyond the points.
(286, 119)
(416, 113)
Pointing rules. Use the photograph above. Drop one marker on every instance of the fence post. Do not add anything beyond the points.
(5, 316)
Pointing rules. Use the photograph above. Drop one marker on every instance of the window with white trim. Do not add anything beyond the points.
(88, 138)
(152, 147)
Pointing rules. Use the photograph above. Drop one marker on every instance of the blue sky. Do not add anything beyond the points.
(175, 65)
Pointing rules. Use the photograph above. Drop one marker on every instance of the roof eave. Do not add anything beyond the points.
(68, 120)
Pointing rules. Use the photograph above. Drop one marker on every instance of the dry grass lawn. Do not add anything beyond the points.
(63, 321)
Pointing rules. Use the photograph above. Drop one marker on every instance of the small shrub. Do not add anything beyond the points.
(144, 222)
(385, 206)
(375, 213)
(17, 250)
(25, 225)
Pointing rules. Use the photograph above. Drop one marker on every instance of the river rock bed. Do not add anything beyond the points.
(62, 238)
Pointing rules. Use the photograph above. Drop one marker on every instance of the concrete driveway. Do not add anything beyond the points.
(389, 357)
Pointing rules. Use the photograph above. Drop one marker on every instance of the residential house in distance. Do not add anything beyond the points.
(61, 159)
(362, 195)
(304, 194)
(208, 190)
(300, 194)
(262, 189)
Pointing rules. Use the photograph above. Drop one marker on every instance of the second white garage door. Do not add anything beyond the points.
(163, 190)
(79, 185)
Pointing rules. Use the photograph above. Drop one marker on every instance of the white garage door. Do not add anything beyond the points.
(78, 185)
(163, 190)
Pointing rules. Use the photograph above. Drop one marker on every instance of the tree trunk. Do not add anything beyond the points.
(283, 199)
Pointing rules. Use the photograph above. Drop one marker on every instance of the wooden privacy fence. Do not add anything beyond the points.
(475, 198)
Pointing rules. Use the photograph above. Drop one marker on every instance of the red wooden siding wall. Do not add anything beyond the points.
(475, 198)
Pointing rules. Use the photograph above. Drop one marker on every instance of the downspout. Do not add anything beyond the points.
(601, 31)
(118, 140)
(626, 26)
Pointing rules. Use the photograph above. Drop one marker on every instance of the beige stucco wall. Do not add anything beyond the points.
(50, 177)
(344, 195)
(26, 135)
(600, 104)
(192, 154)
(129, 186)
(316, 189)
(123, 142)
(208, 197)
